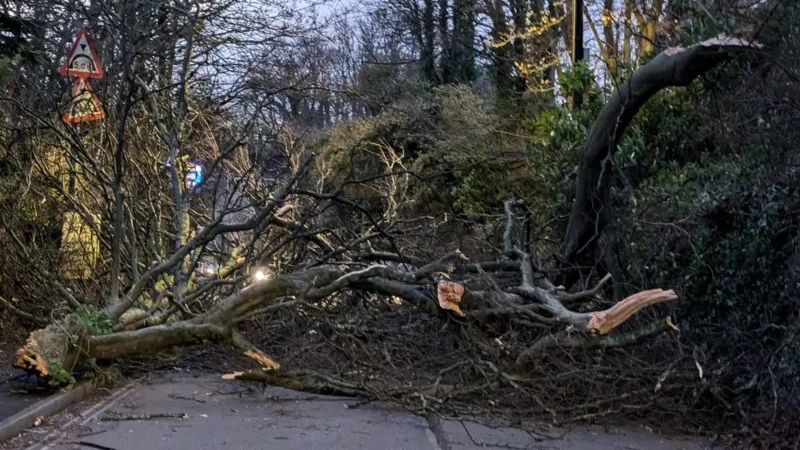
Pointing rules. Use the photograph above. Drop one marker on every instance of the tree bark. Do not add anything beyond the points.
(589, 214)
(462, 50)
(428, 43)
(502, 50)
(446, 42)
(608, 31)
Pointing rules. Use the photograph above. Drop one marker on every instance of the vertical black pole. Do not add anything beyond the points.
(577, 43)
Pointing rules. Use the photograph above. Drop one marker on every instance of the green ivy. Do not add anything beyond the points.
(94, 320)
(59, 377)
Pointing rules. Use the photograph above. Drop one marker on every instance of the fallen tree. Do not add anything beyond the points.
(511, 287)
(533, 298)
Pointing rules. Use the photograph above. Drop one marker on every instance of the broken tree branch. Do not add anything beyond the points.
(602, 322)
(571, 297)
(567, 340)
(673, 67)
(206, 235)
(27, 316)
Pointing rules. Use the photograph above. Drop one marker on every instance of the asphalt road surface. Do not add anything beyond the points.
(11, 403)
(198, 412)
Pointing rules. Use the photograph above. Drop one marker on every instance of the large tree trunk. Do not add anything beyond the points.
(502, 70)
(589, 215)
(428, 43)
(462, 50)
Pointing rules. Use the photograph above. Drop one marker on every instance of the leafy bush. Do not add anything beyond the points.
(59, 377)
(93, 319)
(449, 133)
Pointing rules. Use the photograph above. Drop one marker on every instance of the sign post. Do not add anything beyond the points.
(80, 246)
(82, 62)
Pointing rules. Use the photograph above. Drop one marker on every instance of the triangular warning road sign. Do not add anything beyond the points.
(85, 106)
(81, 60)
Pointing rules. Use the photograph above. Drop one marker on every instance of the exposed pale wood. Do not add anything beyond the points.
(64, 341)
(602, 322)
(251, 351)
(449, 295)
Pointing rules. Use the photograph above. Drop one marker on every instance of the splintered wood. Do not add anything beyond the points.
(29, 358)
(449, 295)
(64, 341)
(602, 322)
(265, 361)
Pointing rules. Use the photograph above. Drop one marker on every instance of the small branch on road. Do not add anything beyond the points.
(183, 397)
(115, 416)
(301, 381)
(86, 444)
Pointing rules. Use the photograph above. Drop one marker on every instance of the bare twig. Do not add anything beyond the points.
(25, 315)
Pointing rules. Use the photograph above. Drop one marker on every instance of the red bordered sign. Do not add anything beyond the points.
(82, 61)
(85, 106)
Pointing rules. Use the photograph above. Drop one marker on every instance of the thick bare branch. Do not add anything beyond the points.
(673, 67)
(152, 339)
(571, 297)
(251, 351)
(443, 264)
(569, 340)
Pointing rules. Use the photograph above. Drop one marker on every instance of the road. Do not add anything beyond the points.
(11, 403)
(182, 411)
